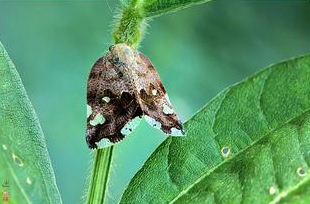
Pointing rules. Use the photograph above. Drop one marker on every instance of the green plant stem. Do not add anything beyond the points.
(129, 25)
(131, 22)
(99, 176)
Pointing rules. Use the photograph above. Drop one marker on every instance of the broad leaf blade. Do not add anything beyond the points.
(25, 162)
(246, 146)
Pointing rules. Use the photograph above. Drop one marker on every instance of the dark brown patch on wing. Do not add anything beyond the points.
(153, 98)
(113, 98)
(116, 137)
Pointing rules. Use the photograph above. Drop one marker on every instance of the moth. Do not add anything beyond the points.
(122, 87)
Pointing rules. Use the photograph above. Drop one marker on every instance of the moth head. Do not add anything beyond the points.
(122, 53)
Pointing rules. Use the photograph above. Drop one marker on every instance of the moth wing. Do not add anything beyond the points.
(153, 99)
(111, 103)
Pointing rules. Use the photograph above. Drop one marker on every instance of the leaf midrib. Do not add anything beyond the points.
(305, 180)
(283, 194)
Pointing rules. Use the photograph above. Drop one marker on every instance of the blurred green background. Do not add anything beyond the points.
(197, 52)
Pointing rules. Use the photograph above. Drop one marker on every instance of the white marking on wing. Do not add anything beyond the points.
(103, 143)
(98, 119)
(167, 98)
(176, 132)
(89, 110)
(131, 125)
(167, 110)
(154, 92)
(106, 99)
(152, 122)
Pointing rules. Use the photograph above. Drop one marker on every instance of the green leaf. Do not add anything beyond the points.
(25, 162)
(96, 193)
(300, 196)
(251, 144)
(154, 8)
(131, 21)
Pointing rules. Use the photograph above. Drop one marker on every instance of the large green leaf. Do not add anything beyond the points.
(25, 162)
(251, 144)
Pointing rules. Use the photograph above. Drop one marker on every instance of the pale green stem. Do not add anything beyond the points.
(99, 176)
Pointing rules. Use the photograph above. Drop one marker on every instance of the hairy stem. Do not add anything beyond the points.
(99, 176)
(131, 21)
(130, 25)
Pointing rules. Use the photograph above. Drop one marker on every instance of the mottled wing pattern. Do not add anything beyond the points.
(111, 102)
(154, 100)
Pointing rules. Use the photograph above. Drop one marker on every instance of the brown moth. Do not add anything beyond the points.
(123, 86)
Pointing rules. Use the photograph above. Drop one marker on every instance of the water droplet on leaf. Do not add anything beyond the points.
(301, 172)
(17, 160)
(4, 147)
(225, 151)
(28, 180)
(272, 190)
